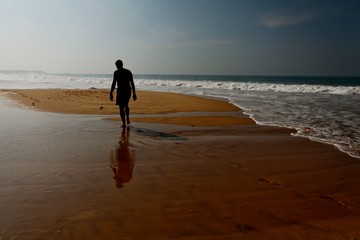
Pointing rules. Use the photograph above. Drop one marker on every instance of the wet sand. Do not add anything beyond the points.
(70, 176)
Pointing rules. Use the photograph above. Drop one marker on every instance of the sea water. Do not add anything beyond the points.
(325, 109)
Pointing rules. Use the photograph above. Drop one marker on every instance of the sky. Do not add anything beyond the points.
(234, 37)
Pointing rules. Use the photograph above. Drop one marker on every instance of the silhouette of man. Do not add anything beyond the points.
(123, 78)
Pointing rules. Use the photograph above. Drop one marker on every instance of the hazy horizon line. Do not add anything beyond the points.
(183, 74)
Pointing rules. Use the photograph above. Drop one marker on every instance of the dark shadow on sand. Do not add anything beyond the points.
(157, 134)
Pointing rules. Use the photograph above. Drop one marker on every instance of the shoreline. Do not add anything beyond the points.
(60, 174)
(95, 101)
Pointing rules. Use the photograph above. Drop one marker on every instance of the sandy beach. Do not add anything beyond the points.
(186, 168)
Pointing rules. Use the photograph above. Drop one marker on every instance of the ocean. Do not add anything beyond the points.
(324, 109)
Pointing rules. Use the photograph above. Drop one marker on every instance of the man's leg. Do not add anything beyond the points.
(127, 112)
(122, 115)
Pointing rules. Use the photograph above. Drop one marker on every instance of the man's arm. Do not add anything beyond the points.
(112, 88)
(133, 86)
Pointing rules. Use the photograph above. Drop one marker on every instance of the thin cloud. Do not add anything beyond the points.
(166, 33)
(218, 42)
(287, 20)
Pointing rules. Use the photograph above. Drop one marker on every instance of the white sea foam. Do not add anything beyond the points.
(252, 86)
(44, 80)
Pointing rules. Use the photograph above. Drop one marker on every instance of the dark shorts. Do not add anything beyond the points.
(123, 98)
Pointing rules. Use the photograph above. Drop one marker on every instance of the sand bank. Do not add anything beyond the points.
(80, 177)
(97, 102)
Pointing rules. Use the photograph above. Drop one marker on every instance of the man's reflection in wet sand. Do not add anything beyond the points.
(122, 160)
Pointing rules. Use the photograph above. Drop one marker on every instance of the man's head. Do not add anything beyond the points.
(119, 64)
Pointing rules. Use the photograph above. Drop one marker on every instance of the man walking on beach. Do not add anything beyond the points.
(123, 78)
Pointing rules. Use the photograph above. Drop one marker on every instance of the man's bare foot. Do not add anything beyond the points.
(128, 121)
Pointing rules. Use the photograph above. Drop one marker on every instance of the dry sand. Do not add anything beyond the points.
(97, 102)
(59, 177)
